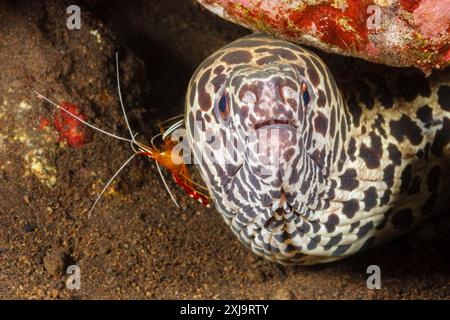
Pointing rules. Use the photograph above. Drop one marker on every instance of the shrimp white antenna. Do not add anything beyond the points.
(120, 97)
(172, 128)
(81, 120)
(165, 184)
(131, 133)
(109, 183)
(152, 142)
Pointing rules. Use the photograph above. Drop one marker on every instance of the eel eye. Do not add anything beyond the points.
(223, 106)
(305, 94)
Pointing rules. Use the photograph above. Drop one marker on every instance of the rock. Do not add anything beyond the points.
(54, 261)
(54, 293)
(283, 294)
(29, 227)
(26, 199)
(397, 33)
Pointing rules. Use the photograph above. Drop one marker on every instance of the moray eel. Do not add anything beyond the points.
(305, 171)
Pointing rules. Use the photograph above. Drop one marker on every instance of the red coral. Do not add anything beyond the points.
(70, 129)
(327, 21)
(43, 123)
(410, 5)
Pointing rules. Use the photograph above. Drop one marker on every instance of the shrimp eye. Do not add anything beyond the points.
(223, 106)
(305, 94)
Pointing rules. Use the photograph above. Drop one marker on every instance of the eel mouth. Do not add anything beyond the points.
(273, 122)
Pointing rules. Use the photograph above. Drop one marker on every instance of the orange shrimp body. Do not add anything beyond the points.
(178, 168)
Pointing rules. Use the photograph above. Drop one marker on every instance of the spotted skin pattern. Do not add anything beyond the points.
(358, 165)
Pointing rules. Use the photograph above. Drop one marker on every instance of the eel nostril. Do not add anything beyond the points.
(280, 94)
(249, 98)
(287, 93)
